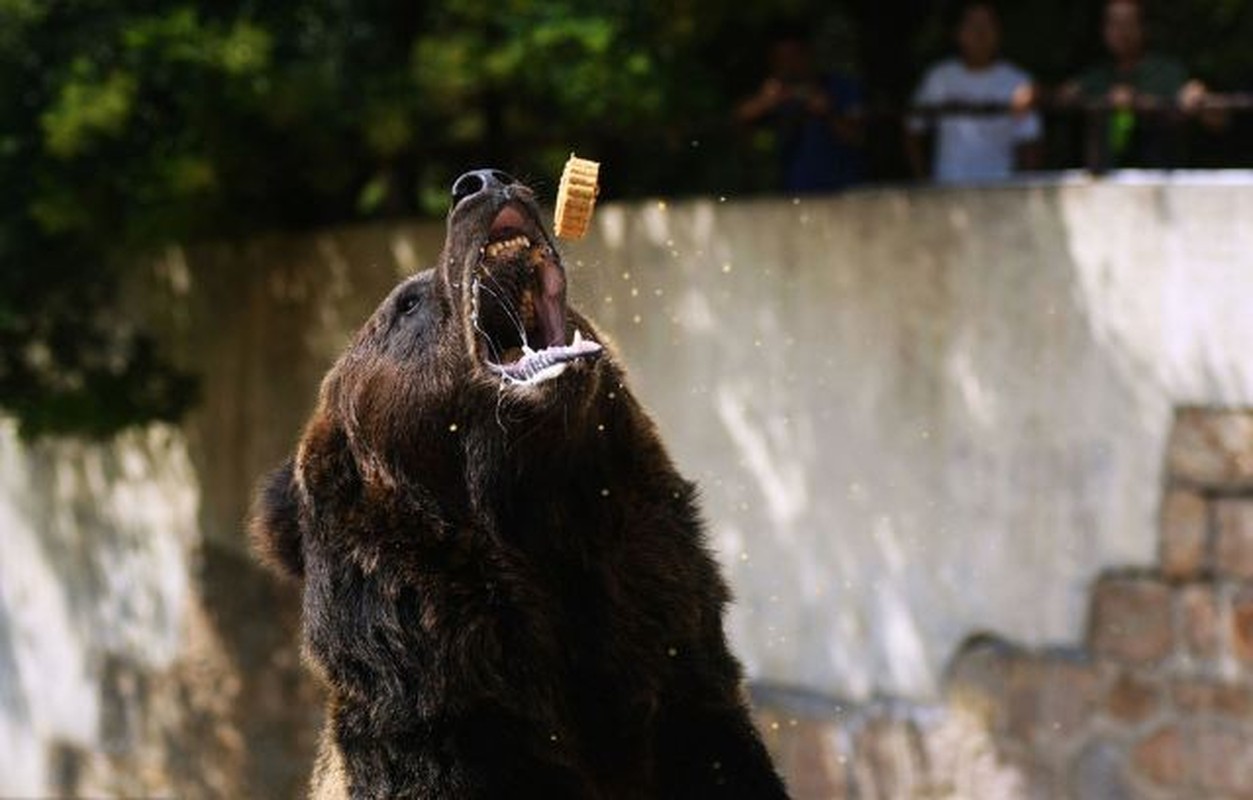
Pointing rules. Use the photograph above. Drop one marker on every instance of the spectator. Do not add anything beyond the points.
(1132, 80)
(816, 117)
(976, 147)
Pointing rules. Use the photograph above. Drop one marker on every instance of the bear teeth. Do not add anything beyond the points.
(537, 366)
(496, 249)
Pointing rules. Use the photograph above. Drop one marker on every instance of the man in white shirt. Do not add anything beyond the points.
(976, 147)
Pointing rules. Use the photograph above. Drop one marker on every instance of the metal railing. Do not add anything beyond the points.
(1168, 116)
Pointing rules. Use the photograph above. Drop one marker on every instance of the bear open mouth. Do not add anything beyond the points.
(519, 297)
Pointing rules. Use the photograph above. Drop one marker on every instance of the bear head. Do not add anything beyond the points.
(451, 361)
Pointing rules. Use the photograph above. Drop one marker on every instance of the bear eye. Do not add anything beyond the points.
(406, 304)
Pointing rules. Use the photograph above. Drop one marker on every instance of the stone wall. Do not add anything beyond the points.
(1155, 703)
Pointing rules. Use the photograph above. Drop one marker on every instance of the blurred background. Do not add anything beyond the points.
(945, 305)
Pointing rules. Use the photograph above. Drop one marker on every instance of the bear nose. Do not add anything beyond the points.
(479, 180)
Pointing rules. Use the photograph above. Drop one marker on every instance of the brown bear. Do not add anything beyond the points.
(507, 590)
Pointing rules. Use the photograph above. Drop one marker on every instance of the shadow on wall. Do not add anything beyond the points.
(129, 666)
(14, 707)
(887, 398)
(142, 651)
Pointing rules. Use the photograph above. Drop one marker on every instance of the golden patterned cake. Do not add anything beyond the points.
(576, 196)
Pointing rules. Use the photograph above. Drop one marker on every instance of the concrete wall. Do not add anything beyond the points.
(921, 414)
(915, 415)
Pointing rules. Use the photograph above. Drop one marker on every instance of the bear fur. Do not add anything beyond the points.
(507, 590)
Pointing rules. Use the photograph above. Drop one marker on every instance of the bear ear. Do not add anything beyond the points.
(274, 526)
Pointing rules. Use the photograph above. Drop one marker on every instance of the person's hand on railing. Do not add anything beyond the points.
(1024, 100)
(1122, 98)
(772, 94)
(1192, 96)
(1211, 110)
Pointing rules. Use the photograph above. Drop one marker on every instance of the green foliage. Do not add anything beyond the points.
(128, 124)
(86, 107)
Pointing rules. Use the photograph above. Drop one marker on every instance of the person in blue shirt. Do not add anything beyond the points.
(816, 117)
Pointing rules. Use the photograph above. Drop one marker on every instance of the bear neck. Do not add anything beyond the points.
(540, 479)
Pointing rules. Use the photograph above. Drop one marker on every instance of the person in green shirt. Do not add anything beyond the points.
(1148, 95)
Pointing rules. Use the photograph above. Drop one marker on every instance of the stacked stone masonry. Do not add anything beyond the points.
(1157, 703)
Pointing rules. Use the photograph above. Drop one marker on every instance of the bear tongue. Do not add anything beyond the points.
(550, 305)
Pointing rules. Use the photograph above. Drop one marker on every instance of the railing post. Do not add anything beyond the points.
(1096, 150)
